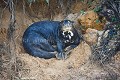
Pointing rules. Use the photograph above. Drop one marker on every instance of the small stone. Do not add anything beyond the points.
(91, 36)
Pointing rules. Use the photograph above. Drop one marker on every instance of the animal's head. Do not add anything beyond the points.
(110, 9)
(67, 30)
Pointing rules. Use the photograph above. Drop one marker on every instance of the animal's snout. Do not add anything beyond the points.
(68, 33)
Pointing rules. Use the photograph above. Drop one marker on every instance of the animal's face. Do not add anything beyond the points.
(66, 31)
(67, 35)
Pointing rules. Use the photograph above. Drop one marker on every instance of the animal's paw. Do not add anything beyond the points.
(61, 56)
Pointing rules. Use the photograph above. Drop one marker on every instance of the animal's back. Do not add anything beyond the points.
(42, 27)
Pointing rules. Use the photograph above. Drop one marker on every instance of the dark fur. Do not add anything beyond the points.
(44, 39)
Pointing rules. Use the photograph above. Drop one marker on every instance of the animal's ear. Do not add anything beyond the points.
(64, 22)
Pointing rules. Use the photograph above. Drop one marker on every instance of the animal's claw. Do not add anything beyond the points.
(61, 56)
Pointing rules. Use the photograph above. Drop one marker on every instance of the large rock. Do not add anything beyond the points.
(90, 20)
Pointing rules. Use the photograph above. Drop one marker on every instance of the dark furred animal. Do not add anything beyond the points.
(49, 39)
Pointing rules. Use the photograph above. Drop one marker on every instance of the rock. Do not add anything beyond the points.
(91, 36)
(90, 20)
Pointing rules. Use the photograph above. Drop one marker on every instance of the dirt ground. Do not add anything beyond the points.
(53, 69)
(77, 67)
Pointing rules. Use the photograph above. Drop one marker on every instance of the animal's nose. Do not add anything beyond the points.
(66, 33)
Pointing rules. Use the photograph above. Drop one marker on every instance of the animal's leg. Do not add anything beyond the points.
(61, 54)
(42, 43)
(69, 48)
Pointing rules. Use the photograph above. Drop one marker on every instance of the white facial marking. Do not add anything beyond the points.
(71, 33)
(69, 37)
(63, 33)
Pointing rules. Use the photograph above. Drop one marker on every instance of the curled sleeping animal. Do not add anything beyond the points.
(51, 39)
